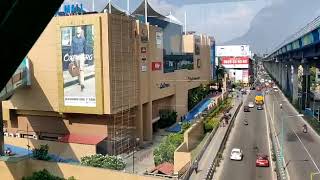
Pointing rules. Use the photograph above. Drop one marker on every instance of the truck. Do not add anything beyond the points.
(259, 99)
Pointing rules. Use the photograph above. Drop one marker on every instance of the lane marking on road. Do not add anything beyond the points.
(274, 129)
(307, 151)
(268, 137)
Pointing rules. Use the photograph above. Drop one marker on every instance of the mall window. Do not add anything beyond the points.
(177, 62)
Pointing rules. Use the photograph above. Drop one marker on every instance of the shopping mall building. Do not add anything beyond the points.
(103, 78)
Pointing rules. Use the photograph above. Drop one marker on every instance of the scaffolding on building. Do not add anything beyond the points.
(123, 79)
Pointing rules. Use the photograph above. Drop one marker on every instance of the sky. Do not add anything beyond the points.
(263, 24)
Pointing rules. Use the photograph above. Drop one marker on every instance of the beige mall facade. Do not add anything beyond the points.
(124, 82)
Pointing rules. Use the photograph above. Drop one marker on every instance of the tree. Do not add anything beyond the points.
(41, 153)
(104, 161)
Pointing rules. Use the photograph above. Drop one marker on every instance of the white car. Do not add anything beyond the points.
(236, 154)
(275, 89)
(251, 105)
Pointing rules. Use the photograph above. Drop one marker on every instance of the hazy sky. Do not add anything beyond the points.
(231, 21)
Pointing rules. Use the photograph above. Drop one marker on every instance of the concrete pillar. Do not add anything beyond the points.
(284, 82)
(147, 121)
(295, 84)
(306, 86)
(286, 79)
(280, 74)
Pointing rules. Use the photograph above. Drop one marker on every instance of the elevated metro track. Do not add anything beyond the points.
(305, 44)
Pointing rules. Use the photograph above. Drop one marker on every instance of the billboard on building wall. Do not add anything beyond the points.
(234, 50)
(159, 39)
(78, 66)
(245, 76)
(235, 62)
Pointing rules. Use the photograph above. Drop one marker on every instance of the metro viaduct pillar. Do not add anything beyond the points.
(281, 72)
(295, 83)
(305, 100)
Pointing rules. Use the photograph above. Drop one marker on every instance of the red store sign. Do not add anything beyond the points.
(156, 66)
(235, 60)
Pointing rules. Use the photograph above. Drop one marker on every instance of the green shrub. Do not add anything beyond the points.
(185, 126)
(42, 175)
(103, 161)
(165, 151)
(196, 95)
(211, 124)
(167, 118)
(41, 153)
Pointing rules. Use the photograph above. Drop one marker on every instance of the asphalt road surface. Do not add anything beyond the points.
(301, 150)
(252, 139)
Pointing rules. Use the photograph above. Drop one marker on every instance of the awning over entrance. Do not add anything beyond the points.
(82, 139)
(151, 12)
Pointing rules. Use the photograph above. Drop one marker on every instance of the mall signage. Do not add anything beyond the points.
(159, 39)
(156, 66)
(73, 9)
(143, 57)
(235, 62)
(143, 50)
(164, 85)
(143, 68)
(144, 36)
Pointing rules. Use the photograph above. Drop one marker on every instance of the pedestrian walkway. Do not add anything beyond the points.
(212, 149)
(144, 160)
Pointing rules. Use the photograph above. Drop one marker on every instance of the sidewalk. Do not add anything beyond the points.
(212, 149)
(144, 160)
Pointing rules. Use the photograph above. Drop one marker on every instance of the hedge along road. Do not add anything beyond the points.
(252, 139)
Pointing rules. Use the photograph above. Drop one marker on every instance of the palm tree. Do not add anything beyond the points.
(220, 71)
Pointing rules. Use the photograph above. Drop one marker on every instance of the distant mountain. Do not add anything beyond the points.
(273, 24)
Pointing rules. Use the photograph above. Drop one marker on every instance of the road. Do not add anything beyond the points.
(212, 149)
(252, 139)
(301, 150)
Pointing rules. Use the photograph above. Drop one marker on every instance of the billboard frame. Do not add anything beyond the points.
(81, 21)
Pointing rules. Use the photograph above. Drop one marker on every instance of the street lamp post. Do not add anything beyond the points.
(134, 149)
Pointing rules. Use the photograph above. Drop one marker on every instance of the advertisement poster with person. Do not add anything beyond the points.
(78, 66)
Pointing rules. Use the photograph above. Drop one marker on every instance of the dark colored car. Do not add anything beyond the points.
(259, 107)
(246, 109)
